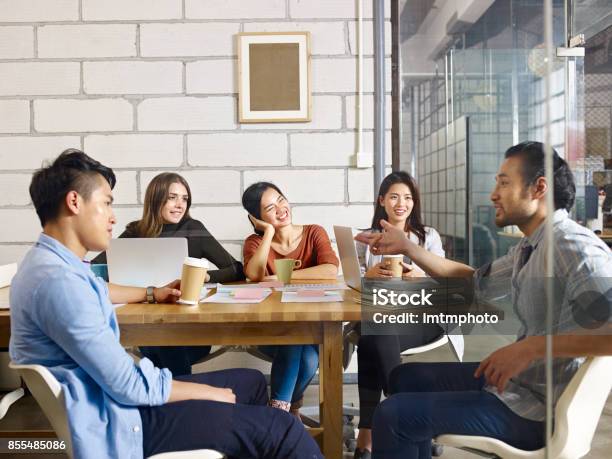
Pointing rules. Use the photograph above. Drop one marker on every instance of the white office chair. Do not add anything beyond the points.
(48, 393)
(576, 416)
(8, 399)
(455, 342)
(7, 380)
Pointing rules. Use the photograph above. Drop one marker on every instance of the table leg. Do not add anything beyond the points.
(330, 389)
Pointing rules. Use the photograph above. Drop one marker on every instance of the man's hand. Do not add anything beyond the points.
(391, 241)
(410, 271)
(168, 293)
(505, 363)
(219, 394)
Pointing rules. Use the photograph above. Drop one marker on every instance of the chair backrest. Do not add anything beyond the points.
(579, 408)
(48, 393)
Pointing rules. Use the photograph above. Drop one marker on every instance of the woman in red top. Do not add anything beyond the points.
(276, 237)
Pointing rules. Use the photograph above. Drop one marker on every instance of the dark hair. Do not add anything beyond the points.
(414, 223)
(73, 170)
(532, 156)
(251, 199)
(156, 196)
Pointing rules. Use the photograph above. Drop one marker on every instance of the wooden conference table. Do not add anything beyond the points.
(269, 322)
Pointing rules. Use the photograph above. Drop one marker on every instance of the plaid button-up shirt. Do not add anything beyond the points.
(582, 299)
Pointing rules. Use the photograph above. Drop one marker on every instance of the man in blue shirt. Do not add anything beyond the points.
(503, 396)
(62, 317)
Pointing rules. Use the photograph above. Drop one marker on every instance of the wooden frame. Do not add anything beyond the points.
(274, 77)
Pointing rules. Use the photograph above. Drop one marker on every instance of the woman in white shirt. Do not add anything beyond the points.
(399, 203)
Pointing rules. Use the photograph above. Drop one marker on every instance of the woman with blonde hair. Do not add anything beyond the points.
(166, 214)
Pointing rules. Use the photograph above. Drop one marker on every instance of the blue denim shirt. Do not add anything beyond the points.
(62, 318)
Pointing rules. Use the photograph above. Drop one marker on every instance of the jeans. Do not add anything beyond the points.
(178, 359)
(293, 367)
(431, 399)
(377, 356)
(247, 429)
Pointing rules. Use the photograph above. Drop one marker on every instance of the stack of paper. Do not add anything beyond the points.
(250, 294)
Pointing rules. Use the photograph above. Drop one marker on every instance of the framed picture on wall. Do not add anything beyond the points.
(274, 77)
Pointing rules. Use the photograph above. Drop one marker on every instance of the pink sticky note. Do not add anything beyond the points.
(270, 284)
(249, 293)
(311, 293)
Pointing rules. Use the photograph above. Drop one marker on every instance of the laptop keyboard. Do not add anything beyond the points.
(336, 286)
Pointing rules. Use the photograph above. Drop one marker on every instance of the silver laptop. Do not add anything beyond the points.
(348, 256)
(140, 262)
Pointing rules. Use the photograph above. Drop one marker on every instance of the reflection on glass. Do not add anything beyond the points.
(472, 85)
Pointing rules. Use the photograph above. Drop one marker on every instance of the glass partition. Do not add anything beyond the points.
(475, 80)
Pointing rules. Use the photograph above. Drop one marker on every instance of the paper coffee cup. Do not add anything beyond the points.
(192, 279)
(394, 263)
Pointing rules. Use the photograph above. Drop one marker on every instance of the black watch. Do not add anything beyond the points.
(150, 296)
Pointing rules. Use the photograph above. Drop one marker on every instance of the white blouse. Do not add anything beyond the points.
(433, 243)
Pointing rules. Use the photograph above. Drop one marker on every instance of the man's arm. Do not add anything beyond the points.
(508, 361)
(394, 241)
(73, 319)
(572, 345)
(183, 390)
(120, 294)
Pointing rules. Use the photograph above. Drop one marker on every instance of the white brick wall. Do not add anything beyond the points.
(132, 77)
(304, 185)
(207, 187)
(24, 225)
(148, 86)
(361, 185)
(331, 9)
(237, 150)
(92, 40)
(367, 102)
(187, 114)
(14, 189)
(224, 223)
(40, 78)
(323, 149)
(16, 42)
(368, 41)
(69, 115)
(234, 9)
(14, 116)
(326, 114)
(25, 153)
(340, 75)
(38, 10)
(125, 189)
(136, 150)
(108, 10)
(202, 76)
(207, 39)
(358, 216)
(326, 38)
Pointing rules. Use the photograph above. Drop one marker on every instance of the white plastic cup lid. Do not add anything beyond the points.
(393, 256)
(196, 262)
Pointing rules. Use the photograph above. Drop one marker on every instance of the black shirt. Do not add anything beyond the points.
(200, 244)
